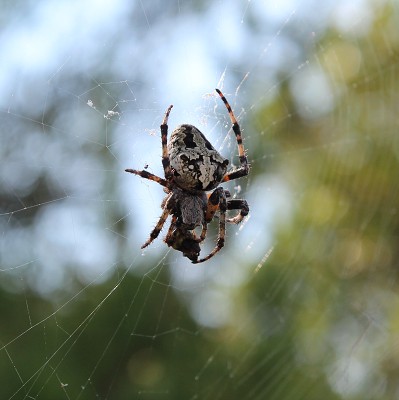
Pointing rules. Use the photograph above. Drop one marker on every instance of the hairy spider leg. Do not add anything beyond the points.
(203, 232)
(164, 137)
(172, 226)
(219, 196)
(158, 227)
(148, 175)
(243, 170)
(235, 204)
(238, 204)
(213, 203)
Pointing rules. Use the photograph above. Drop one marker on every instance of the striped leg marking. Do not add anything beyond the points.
(164, 137)
(244, 168)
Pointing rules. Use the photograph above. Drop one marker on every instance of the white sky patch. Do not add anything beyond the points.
(354, 17)
(312, 92)
(44, 38)
(195, 62)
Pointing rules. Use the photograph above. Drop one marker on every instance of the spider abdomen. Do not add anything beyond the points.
(196, 164)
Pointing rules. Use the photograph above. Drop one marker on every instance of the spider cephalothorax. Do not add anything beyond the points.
(192, 166)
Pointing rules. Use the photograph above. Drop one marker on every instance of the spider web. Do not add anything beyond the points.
(302, 300)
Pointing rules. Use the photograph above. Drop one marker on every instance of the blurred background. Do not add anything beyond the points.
(301, 303)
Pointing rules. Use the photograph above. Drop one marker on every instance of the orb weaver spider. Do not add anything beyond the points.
(193, 167)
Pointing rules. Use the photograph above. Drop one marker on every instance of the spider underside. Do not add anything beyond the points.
(193, 167)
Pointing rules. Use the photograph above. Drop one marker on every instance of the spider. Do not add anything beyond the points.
(193, 167)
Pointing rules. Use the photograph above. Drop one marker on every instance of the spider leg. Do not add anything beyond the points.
(148, 175)
(236, 173)
(158, 227)
(244, 168)
(172, 227)
(164, 137)
(235, 204)
(238, 204)
(213, 203)
(217, 200)
(203, 232)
